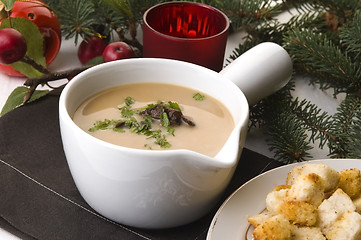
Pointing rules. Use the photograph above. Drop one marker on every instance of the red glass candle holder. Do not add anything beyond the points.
(186, 31)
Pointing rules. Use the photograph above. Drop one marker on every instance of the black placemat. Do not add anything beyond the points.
(39, 200)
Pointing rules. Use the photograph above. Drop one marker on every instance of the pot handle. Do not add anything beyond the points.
(261, 71)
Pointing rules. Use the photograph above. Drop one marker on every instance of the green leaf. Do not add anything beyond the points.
(16, 98)
(34, 41)
(95, 61)
(8, 4)
(26, 69)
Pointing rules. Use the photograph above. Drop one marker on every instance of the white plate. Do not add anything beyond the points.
(230, 221)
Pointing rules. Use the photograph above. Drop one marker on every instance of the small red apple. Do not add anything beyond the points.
(12, 46)
(117, 50)
(91, 48)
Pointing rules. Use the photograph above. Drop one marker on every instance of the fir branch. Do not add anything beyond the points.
(301, 6)
(354, 147)
(265, 111)
(351, 36)
(292, 126)
(342, 8)
(242, 48)
(253, 13)
(287, 138)
(77, 17)
(313, 119)
(316, 52)
(231, 8)
(108, 21)
(344, 126)
(258, 10)
(304, 20)
(120, 6)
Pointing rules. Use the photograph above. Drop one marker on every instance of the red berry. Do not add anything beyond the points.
(12, 46)
(91, 48)
(117, 50)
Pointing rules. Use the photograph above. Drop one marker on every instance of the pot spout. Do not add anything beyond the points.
(226, 158)
(261, 71)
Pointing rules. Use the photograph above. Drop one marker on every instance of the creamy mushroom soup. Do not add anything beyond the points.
(156, 116)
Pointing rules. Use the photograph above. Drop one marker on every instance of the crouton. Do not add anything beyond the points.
(348, 227)
(280, 187)
(332, 208)
(317, 203)
(275, 228)
(259, 218)
(301, 213)
(350, 182)
(330, 176)
(307, 233)
(357, 203)
(274, 200)
(307, 188)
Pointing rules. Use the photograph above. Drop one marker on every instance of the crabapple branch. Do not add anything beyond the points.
(34, 64)
(33, 83)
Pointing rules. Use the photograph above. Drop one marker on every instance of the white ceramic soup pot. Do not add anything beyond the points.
(165, 188)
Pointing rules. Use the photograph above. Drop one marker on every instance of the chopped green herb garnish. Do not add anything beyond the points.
(148, 119)
(140, 121)
(170, 130)
(132, 124)
(147, 146)
(129, 101)
(151, 105)
(143, 126)
(162, 142)
(126, 111)
(198, 97)
(160, 139)
(173, 105)
(102, 125)
(164, 120)
(120, 130)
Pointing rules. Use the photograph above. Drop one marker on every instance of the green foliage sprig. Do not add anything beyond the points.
(327, 53)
